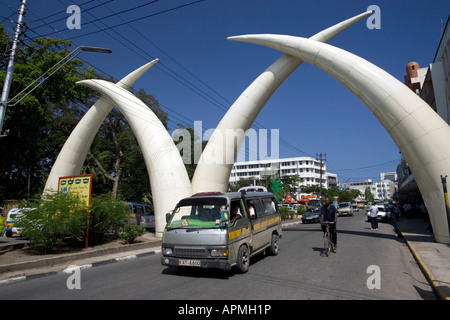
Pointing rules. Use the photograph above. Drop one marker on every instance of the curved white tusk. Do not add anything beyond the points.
(167, 173)
(72, 155)
(215, 164)
(420, 133)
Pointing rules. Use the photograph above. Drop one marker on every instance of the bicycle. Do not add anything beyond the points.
(328, 245)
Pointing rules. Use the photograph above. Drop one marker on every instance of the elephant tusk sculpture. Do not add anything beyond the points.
(72, 155)
(167, 173)
(421, 135)
(217, 159)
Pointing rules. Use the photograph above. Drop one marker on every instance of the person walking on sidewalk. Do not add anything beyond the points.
(373, 212)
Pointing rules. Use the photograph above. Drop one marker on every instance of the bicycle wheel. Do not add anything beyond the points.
(330, 245)
(327, 243)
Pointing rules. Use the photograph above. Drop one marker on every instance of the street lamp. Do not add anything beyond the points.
(33, 85)
(321, 158)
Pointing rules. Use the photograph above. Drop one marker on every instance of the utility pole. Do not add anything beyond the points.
(10, 70)
(321, 158)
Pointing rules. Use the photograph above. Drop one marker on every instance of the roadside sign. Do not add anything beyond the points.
(82, 186)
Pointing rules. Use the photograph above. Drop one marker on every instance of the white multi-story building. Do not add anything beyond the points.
(382, 190)
(307, 168)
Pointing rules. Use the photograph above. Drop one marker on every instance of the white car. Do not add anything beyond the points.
(383, 213)
(11, 218)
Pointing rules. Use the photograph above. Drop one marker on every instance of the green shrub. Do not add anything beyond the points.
(301, 210)
(131, 232)
(53, 218)
(107, 217)
(285, 213)
(59, 216)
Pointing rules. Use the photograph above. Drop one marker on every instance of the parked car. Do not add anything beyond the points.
(310, 217)
(148, 221)
(345, 208)
(383, 213)
(13, 215)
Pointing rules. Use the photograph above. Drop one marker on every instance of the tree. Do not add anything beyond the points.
(369, 196)
(40, 123)
(290, 184)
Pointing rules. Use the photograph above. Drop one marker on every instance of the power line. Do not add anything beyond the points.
(64, 13)
(177, 77)
(369, 167)
(105, 17)
(141, 18)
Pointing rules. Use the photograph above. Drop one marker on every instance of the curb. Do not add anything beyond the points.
(47, 262)
(73, 268)
(426, 271)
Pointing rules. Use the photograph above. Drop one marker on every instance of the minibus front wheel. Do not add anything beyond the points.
(243, 259)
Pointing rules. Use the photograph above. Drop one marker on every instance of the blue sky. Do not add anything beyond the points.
(200, 73)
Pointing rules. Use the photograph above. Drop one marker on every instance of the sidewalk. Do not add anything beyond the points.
(433, 258)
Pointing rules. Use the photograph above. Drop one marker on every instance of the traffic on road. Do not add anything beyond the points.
(370, 265)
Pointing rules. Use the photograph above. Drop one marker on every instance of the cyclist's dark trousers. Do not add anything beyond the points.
(333, 233)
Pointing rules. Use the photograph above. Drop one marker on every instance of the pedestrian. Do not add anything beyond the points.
(407, 210)
(329, 213)
(373, 212)
(396, 212)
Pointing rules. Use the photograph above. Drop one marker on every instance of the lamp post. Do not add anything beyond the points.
(321, 158)
(33, 85)
(10, 69)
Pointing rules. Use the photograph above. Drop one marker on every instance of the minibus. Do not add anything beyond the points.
(221, 230)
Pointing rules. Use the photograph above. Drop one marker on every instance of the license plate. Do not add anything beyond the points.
(189, 263)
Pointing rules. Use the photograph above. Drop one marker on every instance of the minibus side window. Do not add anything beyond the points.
(269, 206)
(236, 211)
(244, 213)
(251, 209)
(259, 211)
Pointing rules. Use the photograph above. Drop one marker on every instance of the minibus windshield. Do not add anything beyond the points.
(198, 213)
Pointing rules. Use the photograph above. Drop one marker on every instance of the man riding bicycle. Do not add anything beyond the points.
(329, 213)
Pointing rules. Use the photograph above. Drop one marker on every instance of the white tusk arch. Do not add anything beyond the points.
(72, 155)
(167, 173)
(420, 133)
(215, 164)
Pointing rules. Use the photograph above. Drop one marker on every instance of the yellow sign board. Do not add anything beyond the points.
(80, 185)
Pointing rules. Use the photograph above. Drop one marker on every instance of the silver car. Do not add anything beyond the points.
(148, 221)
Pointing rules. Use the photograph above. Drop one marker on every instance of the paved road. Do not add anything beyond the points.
(300, 271)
